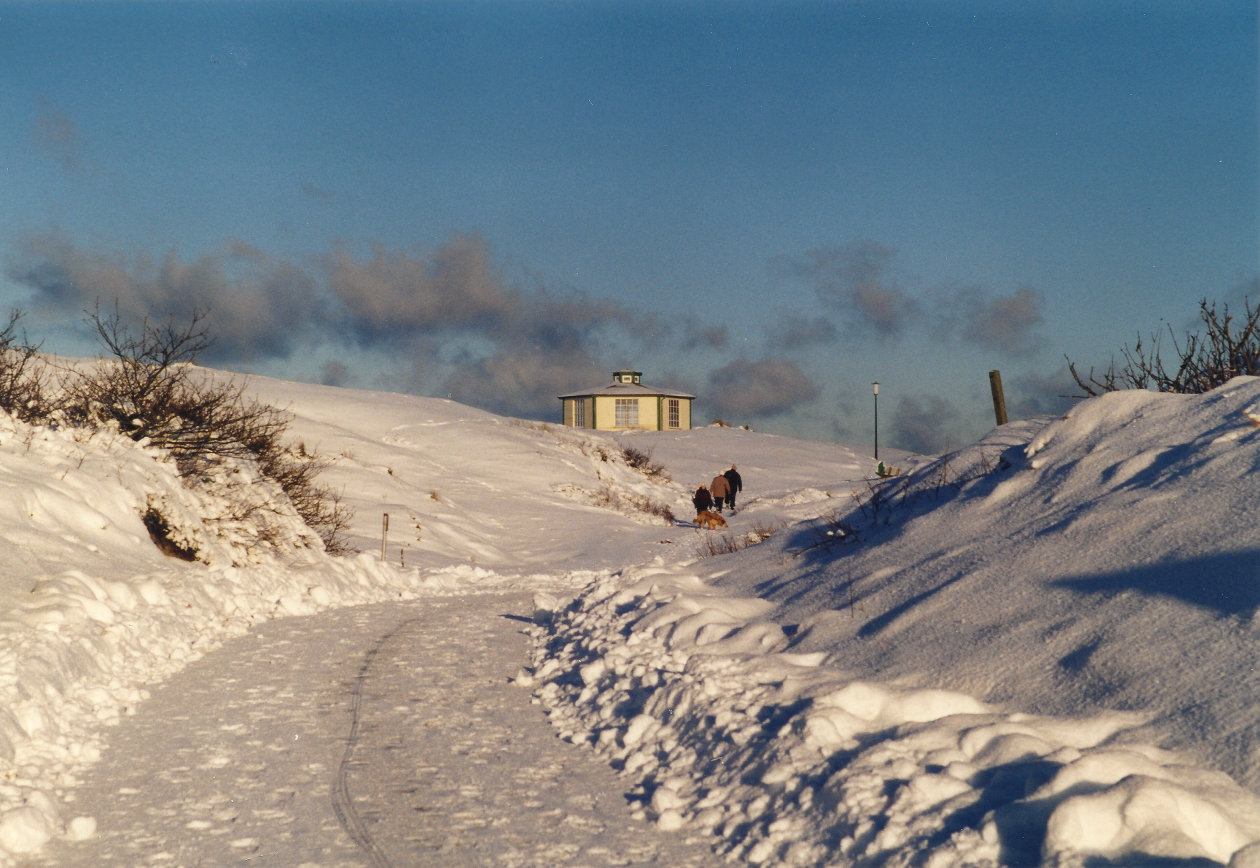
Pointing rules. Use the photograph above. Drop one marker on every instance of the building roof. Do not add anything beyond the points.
(628, 390)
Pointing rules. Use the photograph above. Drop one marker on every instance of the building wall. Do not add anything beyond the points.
(684, 414)
(600, 411)
(606, 414)
(578, 412)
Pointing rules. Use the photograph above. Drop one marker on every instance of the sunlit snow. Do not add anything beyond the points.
(1038, 650)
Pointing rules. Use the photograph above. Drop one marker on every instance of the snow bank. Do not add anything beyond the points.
(1037, 650)
(93, 612)
(790, 762)
(932, 672)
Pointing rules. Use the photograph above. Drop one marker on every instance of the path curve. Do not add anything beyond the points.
(381, 735)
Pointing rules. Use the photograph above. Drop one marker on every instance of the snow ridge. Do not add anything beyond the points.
(793, 763)
(1042, 654)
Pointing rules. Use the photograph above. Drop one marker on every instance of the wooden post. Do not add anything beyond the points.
(999, 400)
(384, 532)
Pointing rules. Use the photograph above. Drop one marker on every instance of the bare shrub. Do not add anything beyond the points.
(152, 390)
(945, 476)
(627, 501)
(1227, 348)
(642, 462)
(321, 508)
(833, 529)
(880, 497)
(23, 380)
(761, 531)
(662, 511)
(713, 545)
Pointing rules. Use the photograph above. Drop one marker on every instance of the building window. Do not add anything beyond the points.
(674, 413)
(627, 413)
(579, 413)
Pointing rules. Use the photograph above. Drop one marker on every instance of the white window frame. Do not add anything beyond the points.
(626, 413)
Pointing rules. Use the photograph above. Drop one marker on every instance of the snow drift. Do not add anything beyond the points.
(1037, 650)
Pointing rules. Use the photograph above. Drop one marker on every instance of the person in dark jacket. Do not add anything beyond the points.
(735, 485)
(702, 499)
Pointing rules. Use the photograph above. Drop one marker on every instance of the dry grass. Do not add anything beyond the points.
(729, 543)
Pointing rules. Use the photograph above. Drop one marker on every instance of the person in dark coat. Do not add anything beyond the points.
(736, 485)
(702, 499)
(719, 488)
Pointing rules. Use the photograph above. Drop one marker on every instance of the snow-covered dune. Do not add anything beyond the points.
(1038, 650)
(94, 612)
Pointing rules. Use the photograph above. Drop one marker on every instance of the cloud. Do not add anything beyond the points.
(393, 295)
(1042, 395)
(258, 307)
(523, 383)
(570, 321)
(747, 389)
(927, 424)
(853, 278)
(335, 373)
(697, 335)
(1004, 324)
(445, 323)
(474, 338)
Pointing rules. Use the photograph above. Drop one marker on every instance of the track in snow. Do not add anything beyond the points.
(378, 735)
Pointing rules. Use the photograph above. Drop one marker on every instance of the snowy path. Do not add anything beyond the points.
(378, 735)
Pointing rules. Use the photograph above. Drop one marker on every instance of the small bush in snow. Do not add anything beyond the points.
(832, 530)
(726, 544)
(642, 462)
(295, 469)
(22, 375)
(944, 476)
(152, 391)
(880, 497)
(628, 501)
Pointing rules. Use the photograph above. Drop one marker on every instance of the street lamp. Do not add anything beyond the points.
(875, 392)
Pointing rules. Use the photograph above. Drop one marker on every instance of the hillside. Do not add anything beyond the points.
(1036, 650)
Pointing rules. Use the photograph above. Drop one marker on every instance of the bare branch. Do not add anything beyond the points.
(1205, 360)
(152, 390)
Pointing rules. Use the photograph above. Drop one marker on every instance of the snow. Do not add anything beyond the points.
(439, 747)
(1037, 650)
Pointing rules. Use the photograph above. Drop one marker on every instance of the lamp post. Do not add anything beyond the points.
(875, 392)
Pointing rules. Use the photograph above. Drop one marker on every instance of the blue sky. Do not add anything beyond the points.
(770, 204)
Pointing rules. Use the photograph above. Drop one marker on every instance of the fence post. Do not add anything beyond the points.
(999, 400)
(384, 532)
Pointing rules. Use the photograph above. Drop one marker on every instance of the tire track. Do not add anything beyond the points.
(342, 801)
